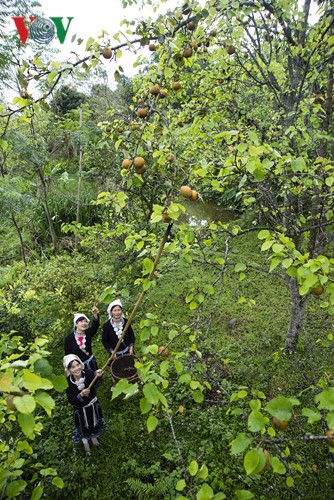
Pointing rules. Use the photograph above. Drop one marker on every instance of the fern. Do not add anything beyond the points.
(161, 489)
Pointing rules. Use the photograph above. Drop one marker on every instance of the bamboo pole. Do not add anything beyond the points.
(139, 301)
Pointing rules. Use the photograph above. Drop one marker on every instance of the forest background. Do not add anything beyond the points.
(200, 192)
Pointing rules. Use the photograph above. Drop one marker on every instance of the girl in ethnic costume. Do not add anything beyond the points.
(87, 410)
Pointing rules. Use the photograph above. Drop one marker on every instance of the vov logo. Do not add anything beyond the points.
(42, 30)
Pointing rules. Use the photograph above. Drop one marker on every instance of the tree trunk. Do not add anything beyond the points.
(20, 238)
(47, 211)
(297, 310)
(76, 244)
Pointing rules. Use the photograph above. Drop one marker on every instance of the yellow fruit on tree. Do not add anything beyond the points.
(194, 195)
(176, 85)
(318, 290)
(185, 191)
(106, 52)
(155, 89)
(230, 49)
(165, 217)
(152, 47)
(126, 163)
(9, 401)
(142, 112)
(140, 170)
(188, 52)
(278, 424)
(163, 93)
(163, 351)
(139, 162)
(329, 441)
(170, 158)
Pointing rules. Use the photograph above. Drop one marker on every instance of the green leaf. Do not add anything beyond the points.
(240, 443)
(45, 400)
(193, 468)
(198, 396)
(24, 446)
(280, 407)
(274, 263)
(27, 423)
(254, 461)
(148, 266)
(178, 366)
(312, 416)
(6, 383)
(240, 266)
(57, 481)
(25, 404)
(330, 420)
(151, 423)
(277, 248)
(14, 488)
(203, 472)
(266, 245)
(42, 367)
(151, 393)
(37, 492)
(59, 382)
(32, 382)
(325, 400)
(286, 263)
(244, 494)
(289, 481)
(256, 421)
(277, 465)
(263, 234)
(119, 388)
(180, 485)
(205, 493)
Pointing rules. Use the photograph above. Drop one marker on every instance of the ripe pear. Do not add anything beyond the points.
(106, 52)
(278, 424)
(330, 432)
(163, 93)
(142, 112)
(318, 290)
(9, 402)
(176, 85)
(165, 217)
(185, 191)
(155, 90)
(139, 162)
(126, 163)
(170, 158)
(188, 52)
(163, 351)
(230, 49)
(194, 195)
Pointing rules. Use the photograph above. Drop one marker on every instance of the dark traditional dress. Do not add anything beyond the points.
(87, 410)
(82, 345)
(111, 335)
